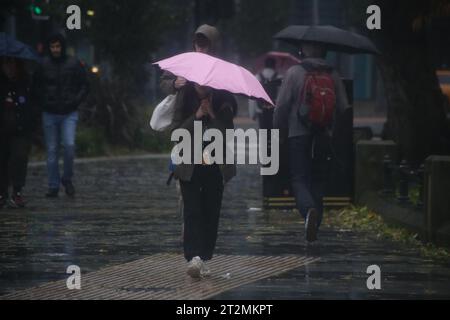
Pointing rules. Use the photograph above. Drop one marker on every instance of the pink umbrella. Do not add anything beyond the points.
(283, 61)
(209, 71)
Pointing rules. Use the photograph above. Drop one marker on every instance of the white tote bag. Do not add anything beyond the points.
(162, 116)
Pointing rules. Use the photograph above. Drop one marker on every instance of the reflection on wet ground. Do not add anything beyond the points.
(124, 211)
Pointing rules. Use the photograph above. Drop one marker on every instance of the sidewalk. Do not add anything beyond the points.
(124, 212)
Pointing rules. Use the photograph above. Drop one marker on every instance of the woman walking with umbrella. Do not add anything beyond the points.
(205, 87)
(206, 40)
(201, 185)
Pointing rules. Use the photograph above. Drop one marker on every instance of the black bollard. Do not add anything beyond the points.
(388, 183)
(403, 184)
(420, 176)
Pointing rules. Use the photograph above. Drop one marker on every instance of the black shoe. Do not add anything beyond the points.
(52, 193)
(70, 189)
(311, 225)
(3, 200)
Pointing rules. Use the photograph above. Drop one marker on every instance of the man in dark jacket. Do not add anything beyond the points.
(62, 87)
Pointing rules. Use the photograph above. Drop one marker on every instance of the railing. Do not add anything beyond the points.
(403, 182)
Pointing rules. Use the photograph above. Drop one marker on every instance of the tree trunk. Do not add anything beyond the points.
(416, 114)
(416, 117)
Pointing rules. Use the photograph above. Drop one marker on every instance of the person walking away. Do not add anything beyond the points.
(63, 86)
(18, 121)
(311, 95)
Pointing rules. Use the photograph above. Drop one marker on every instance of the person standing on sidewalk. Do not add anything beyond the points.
(311, 95)
(18, 121)
(202, 185)
(271, 82)
(62, 87)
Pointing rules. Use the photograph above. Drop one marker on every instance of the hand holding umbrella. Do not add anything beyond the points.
(180, 82)
(204, 109)
(206, 103)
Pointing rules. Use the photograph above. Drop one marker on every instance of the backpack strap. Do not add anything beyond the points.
(310, 67)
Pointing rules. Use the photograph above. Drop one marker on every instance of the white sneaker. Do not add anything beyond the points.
(194, 267)
(204, 271)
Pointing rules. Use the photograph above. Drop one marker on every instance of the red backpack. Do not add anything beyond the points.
(317, 98)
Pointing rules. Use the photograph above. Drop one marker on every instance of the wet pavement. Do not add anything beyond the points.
(124, 211)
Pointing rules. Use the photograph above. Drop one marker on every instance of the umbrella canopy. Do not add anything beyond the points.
(283, 61)
(336, 39)
(209, 71)
(11, 47)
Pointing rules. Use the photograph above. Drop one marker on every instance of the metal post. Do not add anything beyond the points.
(388, 187)
(316, 14)
(421, 177)
(11, 25)
(403, 185)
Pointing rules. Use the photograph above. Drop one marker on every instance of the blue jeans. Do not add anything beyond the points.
(309, 163)
(59, 129)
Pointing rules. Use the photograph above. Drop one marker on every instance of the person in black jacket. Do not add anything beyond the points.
(62, 87)
(18, 119)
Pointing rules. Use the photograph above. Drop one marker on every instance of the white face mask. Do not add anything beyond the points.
(301, 54)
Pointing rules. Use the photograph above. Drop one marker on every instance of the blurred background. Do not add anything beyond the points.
(399, 95)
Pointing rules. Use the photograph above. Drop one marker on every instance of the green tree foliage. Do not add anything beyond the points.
(11, 7)
(255, 23)
(124, 33)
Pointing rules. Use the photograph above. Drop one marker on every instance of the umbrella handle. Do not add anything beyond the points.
(208, 96)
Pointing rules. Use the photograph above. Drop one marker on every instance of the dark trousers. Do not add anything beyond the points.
(309, 163)
(202, 198)
(14, 153)
(265, 119)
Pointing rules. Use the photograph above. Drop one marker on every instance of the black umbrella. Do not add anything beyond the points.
(335, 39)
(10, 47)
